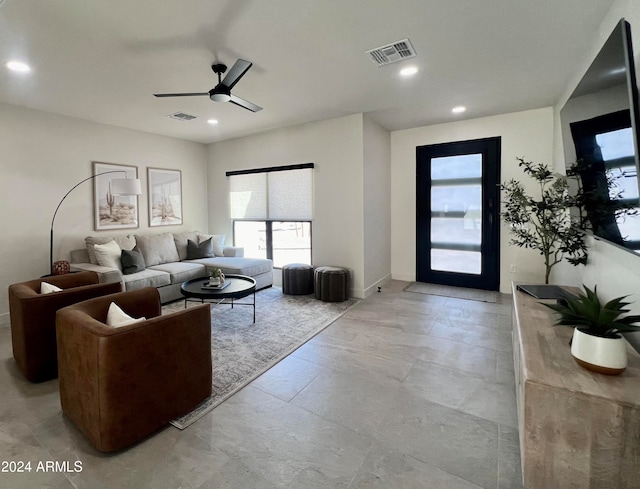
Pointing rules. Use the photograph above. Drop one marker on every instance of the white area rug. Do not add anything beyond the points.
(242, 351)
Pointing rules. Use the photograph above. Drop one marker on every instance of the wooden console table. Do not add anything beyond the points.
(578, 429)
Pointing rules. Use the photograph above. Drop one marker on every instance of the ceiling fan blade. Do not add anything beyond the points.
(245, 103)
(236, 72)
(179, 94)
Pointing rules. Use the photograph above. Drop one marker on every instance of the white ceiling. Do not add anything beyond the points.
(102, 60)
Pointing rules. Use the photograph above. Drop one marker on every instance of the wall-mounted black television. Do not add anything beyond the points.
(600, 136)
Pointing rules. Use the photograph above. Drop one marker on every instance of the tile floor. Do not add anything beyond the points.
(404, 391)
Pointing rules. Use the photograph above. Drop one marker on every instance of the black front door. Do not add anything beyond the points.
(457, 215)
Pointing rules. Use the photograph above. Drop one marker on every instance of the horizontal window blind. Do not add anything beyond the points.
(274, 194)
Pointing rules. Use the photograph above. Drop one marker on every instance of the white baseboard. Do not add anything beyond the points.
(4, 319)
(404, 277)
(374, 287)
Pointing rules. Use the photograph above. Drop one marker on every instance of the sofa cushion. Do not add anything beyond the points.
(204, 249)
(146, 278)
(108, 255)
(181, 271)
(132, 261)
(237, 265)
(217, 241)
(107, 275)
(181, 239)
(157, 248)
(125, 242)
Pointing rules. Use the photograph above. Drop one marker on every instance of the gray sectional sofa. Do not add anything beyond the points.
(167, 263)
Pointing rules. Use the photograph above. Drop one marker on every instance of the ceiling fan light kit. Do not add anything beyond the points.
(222, 91)
(220, 97)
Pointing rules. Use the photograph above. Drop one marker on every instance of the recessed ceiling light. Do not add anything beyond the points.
(459, 109)
(408, 71)
(18, 66)
(212, 121)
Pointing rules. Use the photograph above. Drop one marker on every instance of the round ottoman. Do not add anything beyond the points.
(332, 284)
(297, 279)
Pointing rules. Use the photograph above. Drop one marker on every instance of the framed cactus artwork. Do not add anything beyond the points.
(112, 211)
(165, 196)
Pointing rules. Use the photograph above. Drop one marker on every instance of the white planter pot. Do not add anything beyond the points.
(604, 355)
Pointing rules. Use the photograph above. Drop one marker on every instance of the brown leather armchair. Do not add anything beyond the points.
(33, 318)
(119, 385)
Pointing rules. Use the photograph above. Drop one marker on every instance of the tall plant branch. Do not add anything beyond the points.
(543, 223)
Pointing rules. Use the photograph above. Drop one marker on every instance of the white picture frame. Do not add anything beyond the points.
(113, 211)
(164, 197)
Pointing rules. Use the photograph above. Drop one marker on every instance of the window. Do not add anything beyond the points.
(281, 241)
(252, 236)
(271, 209)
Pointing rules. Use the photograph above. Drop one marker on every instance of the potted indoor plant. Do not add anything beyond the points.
(543, 222)
(217, 277)
(597, 343)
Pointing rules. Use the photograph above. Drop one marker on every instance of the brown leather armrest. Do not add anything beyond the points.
(67, 281)
(33, 310)
(136, 303)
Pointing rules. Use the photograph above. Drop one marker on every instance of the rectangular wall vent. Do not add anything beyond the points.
(391, 53)
(181, 116)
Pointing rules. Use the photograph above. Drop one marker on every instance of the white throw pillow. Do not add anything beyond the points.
(108, 255)
(116, 317)
(46, 288)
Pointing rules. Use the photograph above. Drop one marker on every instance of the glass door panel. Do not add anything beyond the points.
(456, 213)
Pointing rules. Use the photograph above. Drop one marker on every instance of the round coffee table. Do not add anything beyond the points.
(239, 286)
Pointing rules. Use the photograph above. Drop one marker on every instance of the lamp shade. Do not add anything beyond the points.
(126, 186)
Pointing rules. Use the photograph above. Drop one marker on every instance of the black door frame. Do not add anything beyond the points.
(489, 278)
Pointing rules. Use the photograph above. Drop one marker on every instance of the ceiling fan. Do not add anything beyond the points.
(222, 91)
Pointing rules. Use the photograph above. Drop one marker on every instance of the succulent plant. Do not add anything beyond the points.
(585, 311)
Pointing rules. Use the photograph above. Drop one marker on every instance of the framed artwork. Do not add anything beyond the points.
(165, 196)
(113, 211)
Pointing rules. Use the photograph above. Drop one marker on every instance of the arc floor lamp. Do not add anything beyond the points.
(118, 186)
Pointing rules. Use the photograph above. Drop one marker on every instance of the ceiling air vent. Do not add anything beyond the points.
(391, 53)
(181, 116)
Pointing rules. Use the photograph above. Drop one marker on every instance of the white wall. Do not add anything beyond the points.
(43, 155)
(527, 134)
(335, 146)
(377, 205)
(614, 271)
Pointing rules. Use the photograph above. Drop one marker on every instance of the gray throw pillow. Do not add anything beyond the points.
(132, 261)
(180, 239)
(157, 248)
(204, 249)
